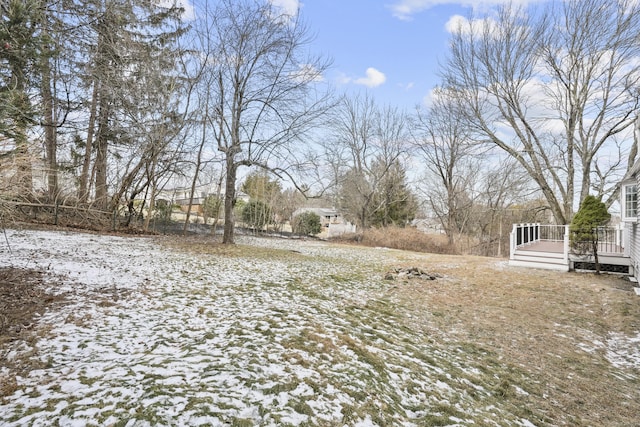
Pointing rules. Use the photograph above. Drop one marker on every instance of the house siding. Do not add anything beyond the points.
(633, 238)
(632, 231)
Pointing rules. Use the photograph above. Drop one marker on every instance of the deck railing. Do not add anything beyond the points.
(610, 239)
(525, 234)
(553, 233)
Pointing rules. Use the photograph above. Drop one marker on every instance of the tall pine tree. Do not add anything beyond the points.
(20, 42)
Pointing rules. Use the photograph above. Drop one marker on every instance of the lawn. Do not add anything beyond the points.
(149, 331)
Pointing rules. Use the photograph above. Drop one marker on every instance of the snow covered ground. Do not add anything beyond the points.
(155, 336)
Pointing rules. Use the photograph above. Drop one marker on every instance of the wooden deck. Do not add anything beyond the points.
(557, 247)
(547, 246)
(543, 246)
(550, 255)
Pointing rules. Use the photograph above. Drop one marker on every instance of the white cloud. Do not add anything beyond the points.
(427, 100)
(476, 26)
(288, 7)
(187, 15)
(343, 79)
(405, 9)
(374, 78)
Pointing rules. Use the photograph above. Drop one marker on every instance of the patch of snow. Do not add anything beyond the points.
(159, 337)
(525, 423)
(591, 347)
(520, 391)
(623, 351)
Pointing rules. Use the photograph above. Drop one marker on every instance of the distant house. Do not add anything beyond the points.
(428, 225)
(333, 223)
(180, 196)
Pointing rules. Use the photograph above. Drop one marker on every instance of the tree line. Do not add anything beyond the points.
(105, 103)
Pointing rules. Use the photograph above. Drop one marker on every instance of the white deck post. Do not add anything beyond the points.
(566, 244)
(619, 236)
(512, 241)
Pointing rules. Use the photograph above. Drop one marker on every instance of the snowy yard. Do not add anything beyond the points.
(282, 332)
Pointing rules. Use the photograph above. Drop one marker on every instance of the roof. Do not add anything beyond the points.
(633, 171)
(318, 211)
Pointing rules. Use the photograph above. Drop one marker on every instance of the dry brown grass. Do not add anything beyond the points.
(22, 298)
(540, 324)
(524, 329)
(520, 329)
(408, 239)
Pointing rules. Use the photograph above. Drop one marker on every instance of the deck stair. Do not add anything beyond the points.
(539, 246)
(533, 257)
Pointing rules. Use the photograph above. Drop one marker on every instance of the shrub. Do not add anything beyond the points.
(256, 214)
(591, 215)
(306, 224)
(584, 227)
(163, 210)
(211, 207)
(408, 239)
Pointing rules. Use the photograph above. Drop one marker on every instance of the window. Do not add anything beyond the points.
(630, 202)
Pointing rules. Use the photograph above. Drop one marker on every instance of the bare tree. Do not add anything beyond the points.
(552, 89)
(505, 195)
(368, 142)
(199, 161)
(199, 118)
(452, 160)
(265, 93)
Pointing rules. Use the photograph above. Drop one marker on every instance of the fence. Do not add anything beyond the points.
(610, 239)
(58, 214)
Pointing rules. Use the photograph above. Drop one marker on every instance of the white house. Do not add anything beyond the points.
(181, 196)
(333, 224)
(629, 215)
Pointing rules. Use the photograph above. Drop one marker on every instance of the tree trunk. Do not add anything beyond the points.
(595, 255)
(152, 206)
(23, 159)
(83, 192)
(229, 201)
(50, 136)
(130, 205)
(195, 175)
(101, 159)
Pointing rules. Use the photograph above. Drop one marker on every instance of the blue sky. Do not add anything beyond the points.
(396, 60)
(390, 48)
